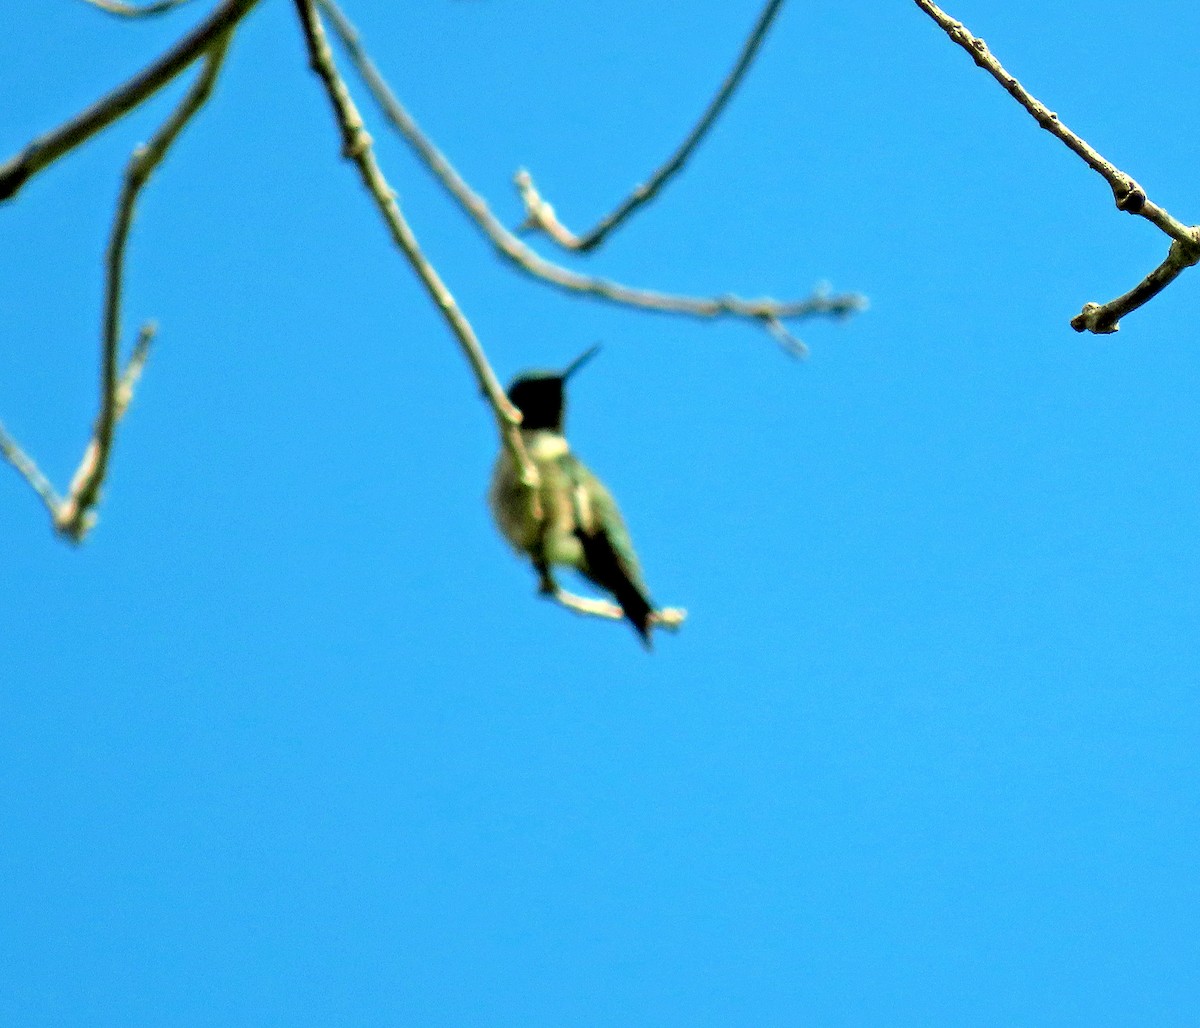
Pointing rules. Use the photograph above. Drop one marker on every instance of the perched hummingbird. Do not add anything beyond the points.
(580, 526)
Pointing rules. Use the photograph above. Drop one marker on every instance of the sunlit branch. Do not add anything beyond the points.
(132, 10)
(1129, 196)
(540, 214)
(357, 146)
(1104, 318)
(764, 311)
(46, 149)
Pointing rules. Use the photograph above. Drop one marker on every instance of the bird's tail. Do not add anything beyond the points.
(638, 609)
(608, 570)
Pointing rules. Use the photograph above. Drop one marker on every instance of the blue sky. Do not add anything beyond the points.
(292, 741)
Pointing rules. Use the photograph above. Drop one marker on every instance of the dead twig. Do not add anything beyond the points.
(1128, 195)
(540, 215)
(47, 149)
(131, 10)
(765, 312)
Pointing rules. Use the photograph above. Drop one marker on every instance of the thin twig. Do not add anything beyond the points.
(46, 149)
(789, 343)
(762, 311)
(131, 10)
(669, 618)
(75, 516)
(357, 146)
(133, 367)
(1128, 195)
(540, 214)
(28, 470)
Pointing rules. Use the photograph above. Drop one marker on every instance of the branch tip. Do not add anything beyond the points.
(540, 215)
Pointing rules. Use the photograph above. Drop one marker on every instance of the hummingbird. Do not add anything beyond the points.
(580, 526)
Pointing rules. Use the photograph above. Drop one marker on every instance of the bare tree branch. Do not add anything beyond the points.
(766, 312)
(1129, 196)
(47, 149)
(74, 515)
(357, 146)
(540, 214)
(132, 10)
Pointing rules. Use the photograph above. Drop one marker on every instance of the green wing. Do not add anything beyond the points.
(609, 560)
(596, 513)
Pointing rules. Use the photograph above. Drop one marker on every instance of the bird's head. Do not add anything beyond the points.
(540, 396)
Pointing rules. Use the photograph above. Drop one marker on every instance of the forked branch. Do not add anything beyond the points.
(1128, 195)
(540, 215)
(74, 515)
(767, 313)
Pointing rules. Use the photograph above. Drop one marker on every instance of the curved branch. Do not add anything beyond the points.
(540, 215)
(47, 149)
(764, 311)
(1128, 195)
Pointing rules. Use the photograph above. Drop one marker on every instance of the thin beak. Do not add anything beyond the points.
(579, 362)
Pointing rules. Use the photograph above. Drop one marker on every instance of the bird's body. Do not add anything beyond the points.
(571, 520)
